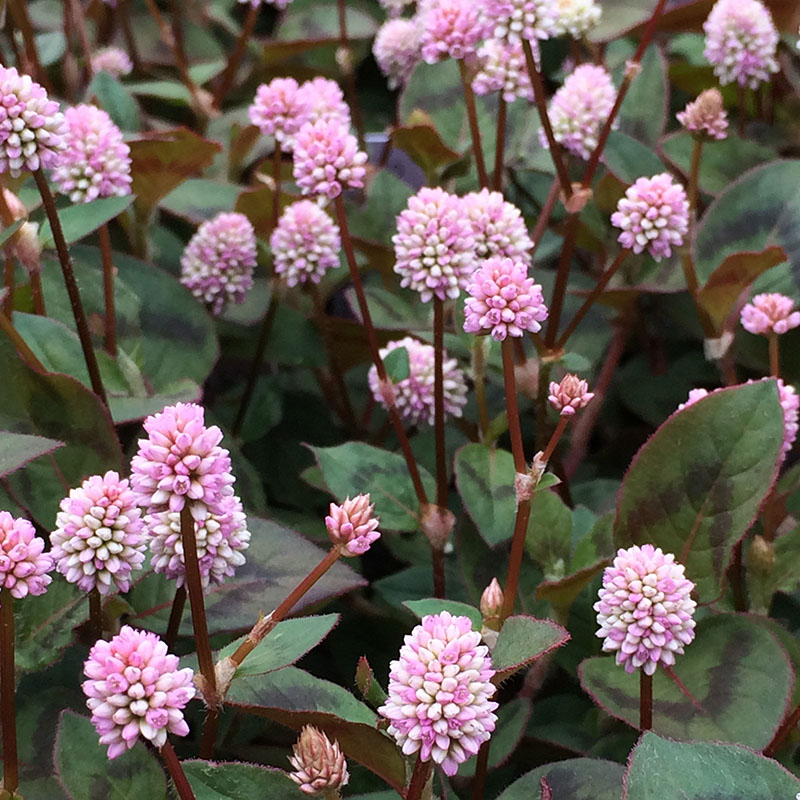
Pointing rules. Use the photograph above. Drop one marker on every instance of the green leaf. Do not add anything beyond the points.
(723, 669)
(784, 573)
(549, 537)
(213, 781)
(522, 640)
(85, 771)
(116, 100)
(396, 363)
(199, 199)
(17, 449)
(10, 230)
(84, 218)
(695, 487)
(644, 112)
(701, 770)
(573, 779)
(358, 468)
(512, 718)
(424, 146)
(629, 159)
(368, 684)
(432, 605)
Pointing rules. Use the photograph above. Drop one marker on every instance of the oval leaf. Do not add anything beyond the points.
(211, 781)
(574, 779)
(522, 640)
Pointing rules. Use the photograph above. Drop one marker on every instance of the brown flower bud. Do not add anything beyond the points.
(319, 765)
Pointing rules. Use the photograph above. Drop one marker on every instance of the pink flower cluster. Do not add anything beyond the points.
(653, 216)
(135, 688)
(450, 29)
(503, 69)
(515, 20)
(645, 609)
(397, 50)
(439, 701)
(770, 313)
(217, 264)
(319, 764)
(498, 228)
(570, 395)
(352, 526)
(23, 563)
(705, 117)
(279, 4)
(112, 60)
(575, 17)
(503, 300)
(323, 99)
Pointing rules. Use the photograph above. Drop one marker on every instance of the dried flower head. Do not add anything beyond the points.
(503, 300)
(217, 264)
(515, 20)
(31, 126)
(279, 110)
(434, 245)
(645, 609)
(569, 396)
(352, 526)
(770, 313)
(741, 42)
(397, 49)
(23, 563)
(450, 29)
(503, 69)
(135, 688)
(112, 60)
(498, 228)
(414, 395)
(653, 216)
(439, 692)
(575, 17)
(305, 244)
(99, 535)
(324, 100)
(319, 764)
(705, 117)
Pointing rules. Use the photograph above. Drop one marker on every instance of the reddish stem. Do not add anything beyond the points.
(557, 433)
(481, 771)
(22, 347)
(22, 22)
(785, 729)
(438, 402)
(108, 290)
(645, 701)
(8, 282)
(514, 427)
(349, 75)
(774, 356)
(474, 128)
(175, 616)
(96, 614)
(500, 145)
(419, 779)
(562, 274)
(235, 58)
(8, 718)
(176, 772)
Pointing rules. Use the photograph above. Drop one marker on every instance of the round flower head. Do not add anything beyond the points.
(450, 29)
(503, 70)
(23, 563)
(31, 126)
(221, 537)
(569, 396)
(414, 395)
(575, 17)
(327, 159)
(770, 313)
(352, 525)
(324, 99)
(305, 244)
(645, 609)
(394, 8)
(434, 245)
(279, 110)
(503, 300)
(741, 41)
(439, 700)
(319, 764)
(397, 50)
(653, 216)
(705, 117)
(96, 161)
(134, 687)
(217, 264)
(497, 226)
(112, 60)
(99, 536)
(580, 108)
(515, 20)
(181, 460)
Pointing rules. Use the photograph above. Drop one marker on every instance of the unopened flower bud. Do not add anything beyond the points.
(705, 118)
(351, 526)
(492, 605)
(437, 524)
(570, 395)
(319, 765)
(15, 205)
(761, 557)
(27, 247)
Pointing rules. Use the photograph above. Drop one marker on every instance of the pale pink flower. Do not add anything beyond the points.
(440, 690)
(705, 117)
(324, 100)
(23, 563)
(279, 4)
(492, 600)
(694, 396)
(770, 313)
(497, 226)
(217, 264)
(434, 245)
(397, 49)
(741, 42)
(645, 609)
(352, 526)
(569, 396)
(279, 110)
(99, 535)
(414, 395)
(515, 20)
(450, 29)
(31, 126)
(112, 60)
(319, 765)
(135, 688)
(503, 300)
(503, 69)
(653, 216)
(575, 17)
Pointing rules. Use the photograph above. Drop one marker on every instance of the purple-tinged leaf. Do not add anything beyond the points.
(574, 779)
(17, 449)
(522, 641)
(237, 781)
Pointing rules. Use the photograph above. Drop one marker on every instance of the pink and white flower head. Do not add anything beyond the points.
(645, 609)
(324, 99)
(394, 8)
(352, 526)
(181, 461)
(217, 264)
(112, 60)
(327, 159)
(99, 535)
(439, 702)
(575, 17)
(96, 161)
(515, 20)
(741, 42)
(580, 108)
(503, 69)
(31, 126)
(414, 395)
(279, 4)
(497, 226)
(770, 313)
(319, 764)
(397, 50)
(653, 216)
(279, 110)
(450, 29)
(434, 245)
(694, 396)
(23, 563)
(569, 396)
(705, 117)
(221, 537)
(135, 688)
(503, 300)
(305, 244)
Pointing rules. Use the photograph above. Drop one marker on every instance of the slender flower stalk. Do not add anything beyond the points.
(176, 772)
(8, 717)
(8, 283)
(22, 347)
(79, 21)
(96, 613)
(108, 290)
(236, 55)
(22, 22)
(441, 453)
(422, 774)
(502, 115)
(774, 357)
(479, 379)
(645, 701)
(474, 127)
(787, 726)
(345, 59)
(175, 615)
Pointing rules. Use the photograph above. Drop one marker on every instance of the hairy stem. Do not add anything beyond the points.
(108, 290)
(785, 729)
(22, 347)
(8, 717)
(235, 58)
(419, 779)
(481, 771)
(474, 128)
(176, 772)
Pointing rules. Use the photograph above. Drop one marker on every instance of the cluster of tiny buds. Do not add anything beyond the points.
(570, 395)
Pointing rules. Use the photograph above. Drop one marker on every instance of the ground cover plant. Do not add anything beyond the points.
(399, 399)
